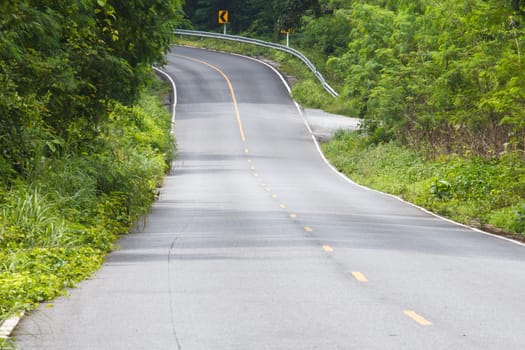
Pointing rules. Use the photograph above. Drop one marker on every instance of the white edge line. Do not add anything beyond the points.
(174, 105)
(9, 325)
(346, 178)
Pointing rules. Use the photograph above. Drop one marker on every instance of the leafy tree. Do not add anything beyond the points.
(62, 63)
(446, 75)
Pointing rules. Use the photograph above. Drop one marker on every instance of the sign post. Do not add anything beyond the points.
(287, 32)
(223, 18)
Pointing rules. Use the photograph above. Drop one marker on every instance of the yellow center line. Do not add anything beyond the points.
(282, 206)
(293, 216)
(359, 276)
(232, 92)
(328, 248)
(418, 318)
(308, 229)
(242, 135)
(274, 195)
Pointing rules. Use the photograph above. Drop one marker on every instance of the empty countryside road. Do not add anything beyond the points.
(255, 243)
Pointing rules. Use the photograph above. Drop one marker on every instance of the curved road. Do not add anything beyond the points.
(255, 243)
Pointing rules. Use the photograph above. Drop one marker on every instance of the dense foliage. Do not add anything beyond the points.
(83, 144)
(64, 63)
(446, 75)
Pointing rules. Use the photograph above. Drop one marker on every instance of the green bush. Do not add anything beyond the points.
(57, 224)
(472, 190)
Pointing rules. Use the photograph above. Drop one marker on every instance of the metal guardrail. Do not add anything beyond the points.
(263, 43)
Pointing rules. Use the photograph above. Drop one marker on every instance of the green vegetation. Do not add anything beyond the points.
(56, 225)
(444, 75)
(485, 193)
(84, 139)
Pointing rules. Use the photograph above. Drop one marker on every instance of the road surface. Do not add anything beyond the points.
(255, 243)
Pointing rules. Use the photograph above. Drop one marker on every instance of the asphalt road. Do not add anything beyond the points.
(255, 243)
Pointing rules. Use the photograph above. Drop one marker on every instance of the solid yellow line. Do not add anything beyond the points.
(418, 318)
(328, 249)
(359, 276)
(308, 229)
(232, 92)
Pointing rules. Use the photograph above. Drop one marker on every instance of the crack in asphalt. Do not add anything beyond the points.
(173, 327)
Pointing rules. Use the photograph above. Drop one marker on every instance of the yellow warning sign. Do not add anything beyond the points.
(223, 16)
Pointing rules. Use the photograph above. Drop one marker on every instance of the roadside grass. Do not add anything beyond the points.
(483, 193)
(57, 224)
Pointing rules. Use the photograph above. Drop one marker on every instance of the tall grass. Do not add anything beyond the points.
(58, 220)
(27, 219)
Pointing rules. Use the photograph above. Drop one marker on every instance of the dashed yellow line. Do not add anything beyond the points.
(232, 92)
(328, 248)
(308, 229)
(418, 318)
(274, 195)
(359, 276)
(293, 216)
(246, 149)
(282, 206)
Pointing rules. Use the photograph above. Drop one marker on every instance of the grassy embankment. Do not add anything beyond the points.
(484, 193)
(57, 225)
